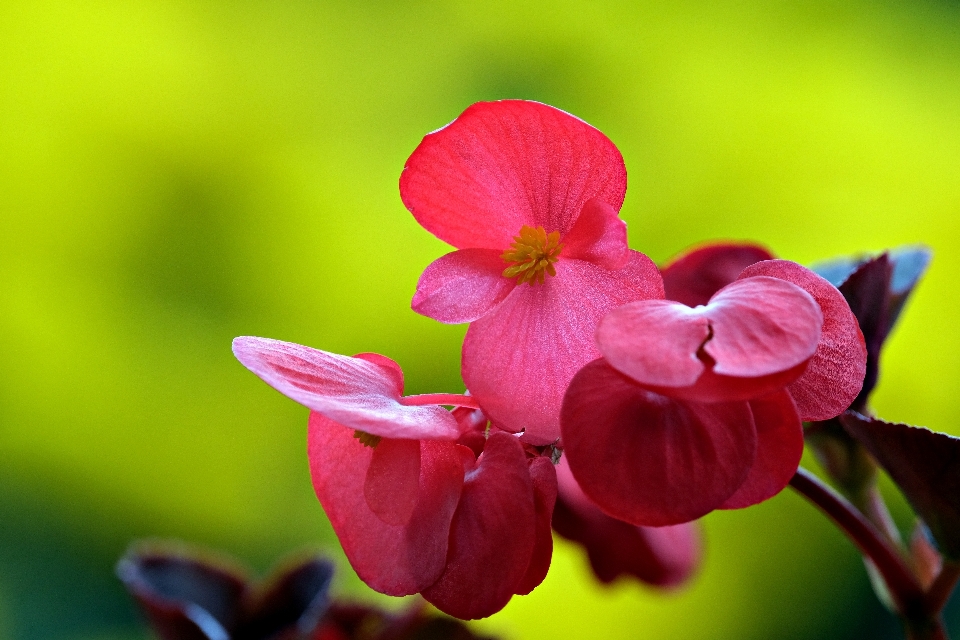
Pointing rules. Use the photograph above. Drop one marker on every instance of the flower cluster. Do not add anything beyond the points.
(606, 397)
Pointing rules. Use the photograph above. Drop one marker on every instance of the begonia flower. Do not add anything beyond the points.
(529, 196)
(418, 503)
(664, 557)
(695, 409)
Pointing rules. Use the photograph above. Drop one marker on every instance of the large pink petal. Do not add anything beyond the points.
(519, 359)
(693, 277)
(661, 556)
(779, 449)
(655, 342)
(599, 236)
(393, 480)
(757, 333)
(492, 536)
(362, 393)
(503, 165)
(648, 459)
(834, 376)
(462, 286)
(761, 326)
(544, 478)
(393, 559)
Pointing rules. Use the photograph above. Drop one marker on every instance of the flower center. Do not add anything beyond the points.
(367, 439)
(533, 253)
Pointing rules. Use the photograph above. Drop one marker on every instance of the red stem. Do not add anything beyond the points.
(942, 587)
(904, 588)
(448, 399)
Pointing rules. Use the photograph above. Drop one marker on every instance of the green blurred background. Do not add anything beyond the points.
(174, 173)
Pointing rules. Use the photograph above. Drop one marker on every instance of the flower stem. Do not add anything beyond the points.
(875, 510)
(932, 629)
(906, 591)
(449, 399)
(943, 586)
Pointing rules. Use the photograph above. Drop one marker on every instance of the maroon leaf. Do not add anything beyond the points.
(924, 465)
(185, 595)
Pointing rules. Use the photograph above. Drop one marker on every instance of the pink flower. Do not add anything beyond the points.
(415, 508)
(529, 196)
(695, 409)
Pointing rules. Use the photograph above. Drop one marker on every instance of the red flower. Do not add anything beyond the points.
(660, 556)
(415, 508)
(694, 409)
(529, 196)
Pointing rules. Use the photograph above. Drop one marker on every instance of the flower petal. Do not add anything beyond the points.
(393, 480)
(503, 165)
(661, 556)
(655, 342)
(599, 236)
(519, 359)
(779, 449)
(362, 393)
(835, 374)
(761, 326)
(392, 559)
(492, 536)
(751, 330)
(648, 459)
(462, 286)
(544, 478)
(693, 277)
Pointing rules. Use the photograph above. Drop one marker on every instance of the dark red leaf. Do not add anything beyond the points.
(924, 465)
(186, 595)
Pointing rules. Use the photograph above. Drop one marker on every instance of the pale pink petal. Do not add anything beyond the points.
(388, 364)
(655, 342)
(519, 359)
(503, 165)
(693, 277)
(492, 536)
(779, 449)
(393, 480)
(599, 236)
(761, 326)
(544, 478)
(834, 376)
(652, 460)
(362, 393)
(462, 286)
(757, 334)
(392, 559)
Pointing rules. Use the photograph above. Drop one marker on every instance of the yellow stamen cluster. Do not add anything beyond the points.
(533, 253)
(367, 439)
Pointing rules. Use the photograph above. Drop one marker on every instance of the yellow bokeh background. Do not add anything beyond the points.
(174, 174)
